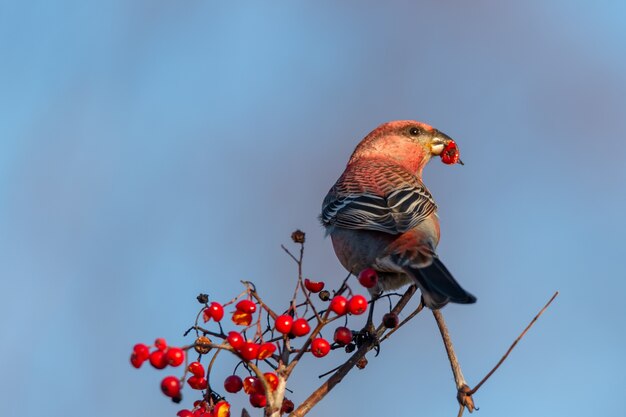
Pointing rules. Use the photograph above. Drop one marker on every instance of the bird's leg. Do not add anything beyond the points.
(369, 325)
(368, 333)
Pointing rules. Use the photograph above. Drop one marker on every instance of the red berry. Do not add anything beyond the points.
(320, 347)
(136, 360)
(313, 286)
(342, 336)
(158, 359)
(283, 323)
(201, 404)
(450, 154)
(160, 343)
(184, 413)
(390, 320)
(287, 406)
(266, 350)
(272, 380)
(170, 386)
(233, 384)
(246, 306)
(206, 315)
(258, 400)
(142, 351)
(300, 327)
(339, 305)
(221, 409)
(236, 340)
(357, 305)
(197, 382)
(175, 356)
(242, 319)
(368, 278)
(249, 351)
(252, 385)
(196, 369)
(216, 311)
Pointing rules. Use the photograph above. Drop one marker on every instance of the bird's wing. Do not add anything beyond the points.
(377, 196)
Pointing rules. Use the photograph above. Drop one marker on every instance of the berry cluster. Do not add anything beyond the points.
(264, 339)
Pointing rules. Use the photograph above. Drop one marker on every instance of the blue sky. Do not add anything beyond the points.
(152, 150)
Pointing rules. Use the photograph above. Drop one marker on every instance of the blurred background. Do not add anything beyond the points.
(152, 150)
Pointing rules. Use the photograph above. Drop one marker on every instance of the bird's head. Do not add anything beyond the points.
(409, 143)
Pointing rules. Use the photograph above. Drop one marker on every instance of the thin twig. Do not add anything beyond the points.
(513, 345)
(289, 253)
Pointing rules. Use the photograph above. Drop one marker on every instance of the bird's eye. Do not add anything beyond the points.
(414, 131)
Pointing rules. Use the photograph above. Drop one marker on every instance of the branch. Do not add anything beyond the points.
(336, 378)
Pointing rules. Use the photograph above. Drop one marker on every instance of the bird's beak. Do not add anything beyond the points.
(439, 142)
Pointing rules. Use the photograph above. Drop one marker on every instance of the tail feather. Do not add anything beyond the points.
(438, 286)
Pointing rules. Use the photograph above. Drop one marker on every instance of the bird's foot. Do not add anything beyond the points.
(368, 336)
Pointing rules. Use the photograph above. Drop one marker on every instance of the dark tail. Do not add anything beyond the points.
(438, 286)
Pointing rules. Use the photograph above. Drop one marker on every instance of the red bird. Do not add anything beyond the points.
(380, 215)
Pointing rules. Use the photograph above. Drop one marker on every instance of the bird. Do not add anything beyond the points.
(380, 215)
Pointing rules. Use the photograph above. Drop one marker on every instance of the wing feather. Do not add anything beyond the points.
(392, 200)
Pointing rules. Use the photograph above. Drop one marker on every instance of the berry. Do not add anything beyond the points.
(324, 295)
(252, 385)
(357, 305)
(283, 323)
(450, 154)
(361, 363)
(320, 347)
(221, 409)
(184, 413)
(160, 344)
(136, 361)
(339, 305)
(272, 380)
(241, 318)
(249, 351)
(390, 320)
(142, 351)
(300, 327)
(140, 354)
(170, 386)
(246, 306)
(196, 369)
(313, 286)
(287, 406)
(342, 336)
(202, 345)
(266, 350)
(197, 382)
(175, 356)
(158, 359)
(236, 340)
(298, 236)
(216, 311)
(258, 400)
(368, 278)
(233, 384)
